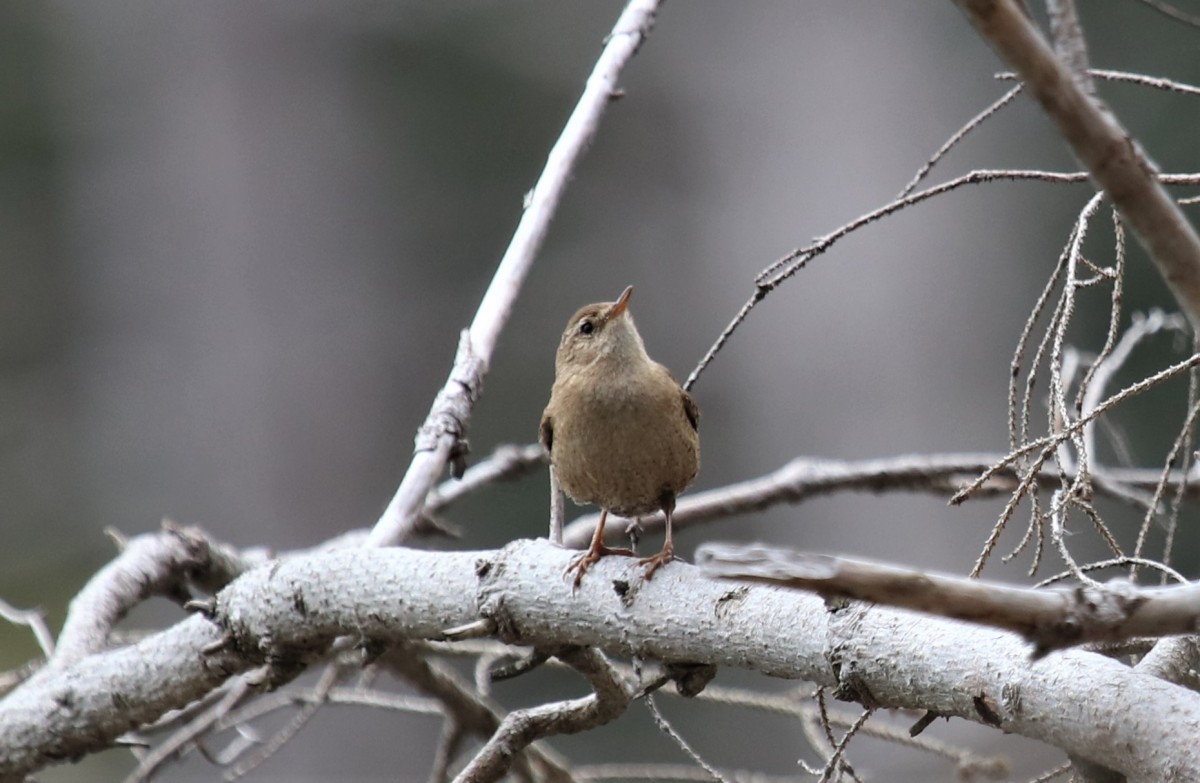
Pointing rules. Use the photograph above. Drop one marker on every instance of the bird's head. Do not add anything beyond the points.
(600, 332)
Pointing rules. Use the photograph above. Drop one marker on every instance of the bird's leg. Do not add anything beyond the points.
(581, 563)
(667, 553)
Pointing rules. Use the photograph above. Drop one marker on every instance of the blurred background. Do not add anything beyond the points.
(238, 242)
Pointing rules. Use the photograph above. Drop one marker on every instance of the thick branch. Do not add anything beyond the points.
(1112, 158)
(289, 612)
(66, 711)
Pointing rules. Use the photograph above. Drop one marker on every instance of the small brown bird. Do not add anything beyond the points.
(621, 432)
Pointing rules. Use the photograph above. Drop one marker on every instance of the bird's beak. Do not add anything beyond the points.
(619, 305)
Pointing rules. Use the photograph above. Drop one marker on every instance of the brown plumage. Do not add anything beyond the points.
(621, 432)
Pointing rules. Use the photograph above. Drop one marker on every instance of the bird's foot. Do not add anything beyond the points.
(655, 562)
(582, 562)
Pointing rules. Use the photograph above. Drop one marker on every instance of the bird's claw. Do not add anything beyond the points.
(655, 562)
(585, 560)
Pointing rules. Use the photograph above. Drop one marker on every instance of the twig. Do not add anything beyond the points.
(179, 740)
(958, 136)
(319, 695)
(1117, 562)
(789, 705)
(839, 749)
(781, 270)
(1018, 416)
(1095, 381)
(359, 697)
(1052, 440)
(1169, 85)
(1059, 414)
(771, 278)
(1185, 440)
(666, 728)
(506, 462)
(441, 437)
(1181, 442)
(1052, 774)
(522, 727)
(466, 709)
(1172, 12)
(1024, 487)
(670, 772)
(34, 620)
(1106, 367)
(1058, 534)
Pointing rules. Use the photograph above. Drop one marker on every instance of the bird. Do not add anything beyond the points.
(621, 432)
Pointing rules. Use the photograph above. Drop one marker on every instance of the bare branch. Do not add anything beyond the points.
(666, 728)
(34, 620)
(808, 477)
(1158, 83)
(522, 727)
(1110, 155)
(835, 759)
(1170, 85)
(1169, 10)
(959, 135)
(318, 696)
(1050, 442)
(155, 564)
(781, 270)
(441, 438)
(189, 733)
(1069, 43)
(784, 268)
(506, 462)
(288, 612)
(469, 711)
(74, 708)
(670, 772)
(558, 510)
(1050, 619)
(1175, 660)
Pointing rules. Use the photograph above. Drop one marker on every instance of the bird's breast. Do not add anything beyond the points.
(622, 443)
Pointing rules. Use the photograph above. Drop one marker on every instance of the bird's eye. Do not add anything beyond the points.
(587, 327)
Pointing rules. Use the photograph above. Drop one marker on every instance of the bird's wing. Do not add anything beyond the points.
(546, 431)
(690, 409)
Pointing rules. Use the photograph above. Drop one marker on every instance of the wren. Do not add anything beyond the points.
(621, 432)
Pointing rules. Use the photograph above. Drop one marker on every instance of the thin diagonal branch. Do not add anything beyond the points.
(1112, 158)
(441, 438)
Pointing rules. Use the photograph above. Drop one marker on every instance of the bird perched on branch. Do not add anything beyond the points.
(622, 434)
